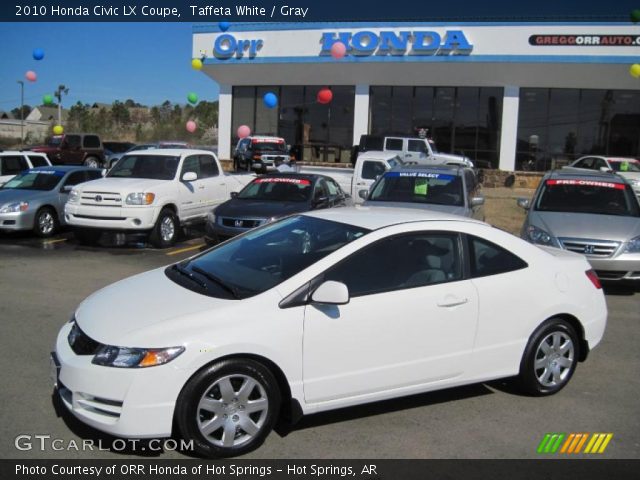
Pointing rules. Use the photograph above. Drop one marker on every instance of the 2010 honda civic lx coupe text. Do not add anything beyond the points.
(319, 311)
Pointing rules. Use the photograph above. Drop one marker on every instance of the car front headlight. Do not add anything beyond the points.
(73, 196)
(124, 357)
(540, 237)
(211, 218)
(635, 183)
(15, 207)
(140, 198)
(633, 246)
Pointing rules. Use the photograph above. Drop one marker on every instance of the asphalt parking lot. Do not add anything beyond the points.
(41, 283)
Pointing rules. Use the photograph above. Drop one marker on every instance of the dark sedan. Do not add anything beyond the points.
(270, 197)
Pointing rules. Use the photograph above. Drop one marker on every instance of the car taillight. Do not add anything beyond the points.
(257, 157)
(594, 278)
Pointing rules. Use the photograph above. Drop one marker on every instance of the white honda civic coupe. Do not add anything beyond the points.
(321, 311)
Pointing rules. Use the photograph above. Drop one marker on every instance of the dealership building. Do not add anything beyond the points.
(510, 96)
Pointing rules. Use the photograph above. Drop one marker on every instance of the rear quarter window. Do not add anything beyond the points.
(91, 141)
(37, 161)
(487, 258)
(12, 165)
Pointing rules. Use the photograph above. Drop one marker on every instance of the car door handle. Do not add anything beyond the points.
(452, 302)
(201, 187)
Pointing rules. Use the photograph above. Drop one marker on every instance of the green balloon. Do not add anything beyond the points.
(635, 16)
(192, 97)
(47, 99)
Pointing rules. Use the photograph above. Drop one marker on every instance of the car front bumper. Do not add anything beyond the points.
(111, 218)
(625, 266)
(124, 402)
(16, 221)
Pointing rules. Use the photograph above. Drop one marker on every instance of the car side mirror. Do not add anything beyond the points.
(233, 194)
(363, 194)
(67, 188)
(189, 176)
(524, 203)
(331, 293)
(605, 169)
(477, 201)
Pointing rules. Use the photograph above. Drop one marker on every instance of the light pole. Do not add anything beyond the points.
(21, 113)
(58, 94)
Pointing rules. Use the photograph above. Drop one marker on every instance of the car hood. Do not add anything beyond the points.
(11, 195)
(450, 209)
(585, 225)
(630, 175)
(259, 209)
(114, 184)
(145, 306)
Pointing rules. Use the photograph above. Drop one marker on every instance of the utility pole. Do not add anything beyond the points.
(58, 94)
(21, 113)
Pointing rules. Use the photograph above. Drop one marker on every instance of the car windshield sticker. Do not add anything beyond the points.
(57, 173)
(295, 181)
(624, 166)
(420, 187)
(587, 183)
(439, 176)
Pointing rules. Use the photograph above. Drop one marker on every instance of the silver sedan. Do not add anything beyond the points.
(34, 199)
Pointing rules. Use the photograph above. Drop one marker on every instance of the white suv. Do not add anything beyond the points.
(13, 162)
(151, 191)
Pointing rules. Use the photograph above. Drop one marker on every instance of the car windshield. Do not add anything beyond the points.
(588, 196)
(262, 258)
(156, 167)
(419, 187)
(277, 189)
(35, 180)
(269, 147)
(625, 166)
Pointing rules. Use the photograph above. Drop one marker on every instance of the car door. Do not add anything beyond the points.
(411, 319)
(215, 183)
(416, 151)
(191, 194)
(70, 150)
(396, 145)
(368, 173)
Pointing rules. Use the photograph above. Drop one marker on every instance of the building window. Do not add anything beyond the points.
(464, 120)
(556, 126)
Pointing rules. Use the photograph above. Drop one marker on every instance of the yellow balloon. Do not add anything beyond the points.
(58, 130)
(634, 70)
(196, 63)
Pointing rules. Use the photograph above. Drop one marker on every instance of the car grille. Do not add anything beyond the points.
(590, 248)
(101, 199)
(81, 343)
(241, 222)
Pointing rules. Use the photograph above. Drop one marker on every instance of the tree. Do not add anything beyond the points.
(120, 114)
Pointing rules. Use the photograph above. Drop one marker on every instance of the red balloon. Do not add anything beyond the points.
(324, 96)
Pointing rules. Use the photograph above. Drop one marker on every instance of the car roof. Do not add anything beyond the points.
(373, 218)
(571, 173)
(306, 176)
(22, 152)
(455, 169)
(64, 168)
(171, 152)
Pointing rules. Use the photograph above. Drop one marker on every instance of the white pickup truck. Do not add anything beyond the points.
(368, 167)
(151, 191)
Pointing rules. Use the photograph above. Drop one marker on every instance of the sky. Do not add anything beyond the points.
(101, 62)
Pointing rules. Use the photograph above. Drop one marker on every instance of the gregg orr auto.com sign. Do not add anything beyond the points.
(588, 40)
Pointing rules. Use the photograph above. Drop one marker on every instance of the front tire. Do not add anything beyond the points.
(550, 358)
(45, 223)
(165, 231)
(228, 408)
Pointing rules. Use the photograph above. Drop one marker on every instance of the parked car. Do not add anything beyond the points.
(153, 192)
(418, 150)
(260, 153)
(628, 168)
(323, 310)
(34, 199)
(368, 167)
(268, 198)
(449, 189)
(13, 162)
(592, 213)
(74, 149)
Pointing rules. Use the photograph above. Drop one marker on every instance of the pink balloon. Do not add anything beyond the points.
(338, 50)
(243, 131)
(191, 126)
(31, 76)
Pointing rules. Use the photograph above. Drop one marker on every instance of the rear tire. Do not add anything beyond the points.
(165, 231)
(87, 236)
(92, 162)
(550, 358)
(45, 223)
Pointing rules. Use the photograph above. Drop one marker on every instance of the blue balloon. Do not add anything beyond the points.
(38, 54)
(270, 100)
(224, 26)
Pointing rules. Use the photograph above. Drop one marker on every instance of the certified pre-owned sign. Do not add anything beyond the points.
(582, 40)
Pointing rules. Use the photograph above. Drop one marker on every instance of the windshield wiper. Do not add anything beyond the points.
(185, 273)
(230, 288)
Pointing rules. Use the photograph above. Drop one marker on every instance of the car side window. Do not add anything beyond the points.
(372, 169)
(417, 146)
(401, 262)
(12, 165)
(72, 141)
(191, 164)
(332, 188)
(393, 144)
(38, 161)
(600, 163)
(487, 258)
(91, 141)
(319, 190)
(75, 178)
(208, 167)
